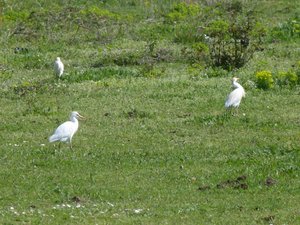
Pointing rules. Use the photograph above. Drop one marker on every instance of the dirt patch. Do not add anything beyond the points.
(269, 218)
(270, 182)
(238, 183)
(204, 188)
(76, 199)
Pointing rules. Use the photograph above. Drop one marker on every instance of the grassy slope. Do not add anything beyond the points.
(147, 143)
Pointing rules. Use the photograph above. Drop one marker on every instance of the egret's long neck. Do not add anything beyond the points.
(73, 119)
(236, 85)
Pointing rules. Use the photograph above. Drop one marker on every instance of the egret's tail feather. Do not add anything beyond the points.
(53, 138)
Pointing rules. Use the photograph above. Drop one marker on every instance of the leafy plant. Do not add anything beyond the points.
(181, 11)
(122, 56)
(232, 40)
(99, 12)
(186, 32)
(298, 71)
(264, 79)
(197, 54)
(149, 70)
(16, 15)
(287, 78)
(216, 72)
(288, 30)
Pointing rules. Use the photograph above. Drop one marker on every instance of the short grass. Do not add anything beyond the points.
(157, 146)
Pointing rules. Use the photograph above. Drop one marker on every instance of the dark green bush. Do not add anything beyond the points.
(233, 39)
(215, 72)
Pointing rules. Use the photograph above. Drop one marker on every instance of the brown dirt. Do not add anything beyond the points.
(238, 183)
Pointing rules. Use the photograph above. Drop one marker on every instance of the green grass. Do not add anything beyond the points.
(157, 146)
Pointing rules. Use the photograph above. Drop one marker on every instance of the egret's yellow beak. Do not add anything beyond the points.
(80, 117)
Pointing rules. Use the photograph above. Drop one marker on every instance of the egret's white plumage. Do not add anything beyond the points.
(235, 97)
(66, 130)
(58, 67)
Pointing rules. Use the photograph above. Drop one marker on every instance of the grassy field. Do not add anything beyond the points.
(157, 146)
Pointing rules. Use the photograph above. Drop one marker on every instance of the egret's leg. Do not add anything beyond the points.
(237, 111)
(228, 111)
(70, 142)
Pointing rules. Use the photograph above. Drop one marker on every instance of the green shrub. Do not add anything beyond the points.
(195, 69)
(153, 31)
(197, 54)
(288, 30)
(298, 71)
(122, 56)
(16, 15)
(98, 12)
(149, 70)
(186, 33)
(200, 47)
(234, 37)
(181, 11)
(216, 72)
(287, 78)
(264, 79)
(201, 52)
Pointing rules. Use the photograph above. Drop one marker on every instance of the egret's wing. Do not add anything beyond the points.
(58, 67)
(234, 98)
(63, 132)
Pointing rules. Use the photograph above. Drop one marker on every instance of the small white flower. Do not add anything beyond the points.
(137, 210)
(78, 206)
(112, 205)
(43, 145)
(11, 208)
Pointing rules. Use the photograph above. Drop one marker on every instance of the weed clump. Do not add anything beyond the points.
(298, 71)
(289, 78)
(264, 79)
(286, 31)
(233, 40)
(181, 11)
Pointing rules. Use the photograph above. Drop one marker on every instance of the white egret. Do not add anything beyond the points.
(235, 97)
(66, 130)
(58, 67)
